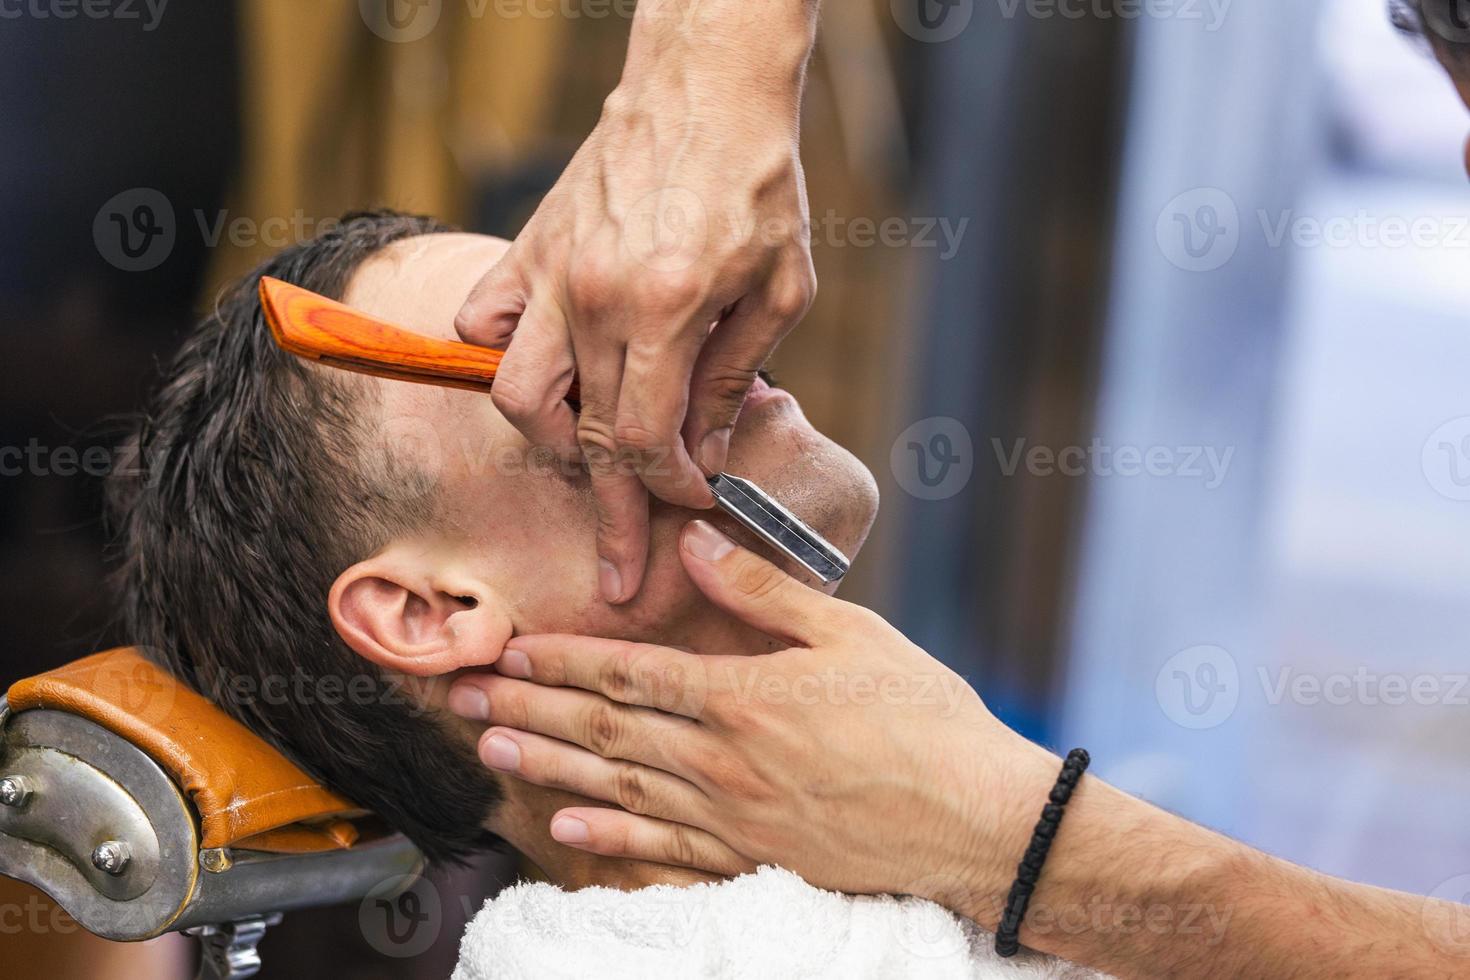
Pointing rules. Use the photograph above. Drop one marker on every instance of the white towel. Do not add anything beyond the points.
(766, 926)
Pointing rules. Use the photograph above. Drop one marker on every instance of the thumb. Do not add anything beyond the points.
(489, 315)
(752, 589)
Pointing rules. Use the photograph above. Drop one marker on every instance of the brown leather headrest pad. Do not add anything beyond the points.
(247, 794)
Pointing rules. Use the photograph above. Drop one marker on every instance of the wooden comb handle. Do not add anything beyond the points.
(322, 329)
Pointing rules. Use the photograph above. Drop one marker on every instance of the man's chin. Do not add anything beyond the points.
(816, 479)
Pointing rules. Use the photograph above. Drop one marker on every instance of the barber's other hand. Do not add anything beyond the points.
(685, 208)
(853, 757)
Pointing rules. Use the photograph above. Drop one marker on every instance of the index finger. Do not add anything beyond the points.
(618, 496)
(652, 405)
(633, 673)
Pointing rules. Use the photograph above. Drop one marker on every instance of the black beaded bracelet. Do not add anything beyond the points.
(1007, 935)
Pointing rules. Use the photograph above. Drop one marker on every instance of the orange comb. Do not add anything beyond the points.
(321, 329)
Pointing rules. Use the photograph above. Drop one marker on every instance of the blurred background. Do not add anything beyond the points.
(1147, 317)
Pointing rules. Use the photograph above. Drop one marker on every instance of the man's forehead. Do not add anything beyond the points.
(419, 283)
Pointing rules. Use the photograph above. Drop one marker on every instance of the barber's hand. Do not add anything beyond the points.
(663, 268)
(853, 757)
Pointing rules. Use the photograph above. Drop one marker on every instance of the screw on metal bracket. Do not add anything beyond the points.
(216, 860)
(14, 791)
(112, 856)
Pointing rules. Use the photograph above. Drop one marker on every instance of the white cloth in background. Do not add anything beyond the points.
(766, 926)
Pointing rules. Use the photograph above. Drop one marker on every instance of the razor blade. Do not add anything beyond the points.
(778, 527)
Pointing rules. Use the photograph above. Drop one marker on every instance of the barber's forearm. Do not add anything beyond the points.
(751, 51)
(1139, 892)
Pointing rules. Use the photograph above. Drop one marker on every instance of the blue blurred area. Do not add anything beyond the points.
(1248, 655)
(1270, 216)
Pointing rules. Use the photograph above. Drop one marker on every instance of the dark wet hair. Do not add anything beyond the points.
(249, 497)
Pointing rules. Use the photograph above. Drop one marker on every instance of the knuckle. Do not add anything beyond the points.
(759, 838)
(618, 677)
(592, 285)
(671, 291)
(475, 320)
(603, 732)
(510, 712)
(630, 789)
(757, 580)
(681, 847)
(672, 686)
(858, 621)
(635, 435)
(736, 781)
(468, 324)
(613, 837)
(721, 707)
(512, 398)
(596, 437)
(728, 386)
(791, 300)
(617, 105)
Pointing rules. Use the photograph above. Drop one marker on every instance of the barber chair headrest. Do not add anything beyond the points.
(142, 808)
(246, 793)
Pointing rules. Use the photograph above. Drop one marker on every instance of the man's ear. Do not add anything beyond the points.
(408, 611)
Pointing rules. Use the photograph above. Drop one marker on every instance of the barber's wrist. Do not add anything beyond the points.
(1113, 854)
(751, 54)
(998, 806)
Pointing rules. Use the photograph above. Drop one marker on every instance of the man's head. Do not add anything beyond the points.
(323, 529)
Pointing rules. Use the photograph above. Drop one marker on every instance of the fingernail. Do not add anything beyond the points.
(609, 580)
(469, 702)
(514, 663)
(499, 752)
(714, 449)
(569, 830)
(703, 541)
